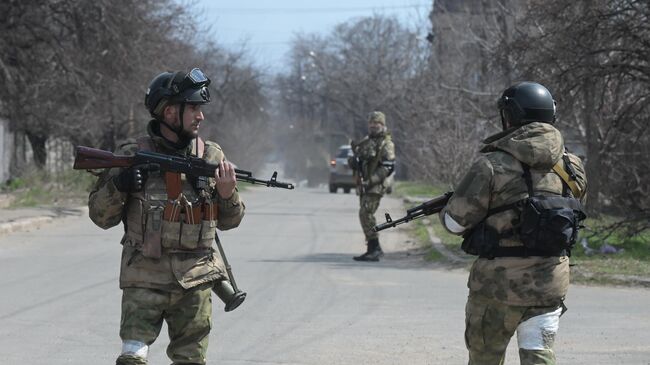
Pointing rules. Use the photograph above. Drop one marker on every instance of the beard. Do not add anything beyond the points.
(186, 136)
(376, 132)
(191, 134)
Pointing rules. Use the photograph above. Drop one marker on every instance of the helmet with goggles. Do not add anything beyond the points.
(176, 88)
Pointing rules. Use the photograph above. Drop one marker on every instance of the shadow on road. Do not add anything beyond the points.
(405, 260)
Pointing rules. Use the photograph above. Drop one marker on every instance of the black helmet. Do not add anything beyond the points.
(175, 88)
(527, 102)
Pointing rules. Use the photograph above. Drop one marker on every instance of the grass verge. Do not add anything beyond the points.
(417, 229)
(36, 188)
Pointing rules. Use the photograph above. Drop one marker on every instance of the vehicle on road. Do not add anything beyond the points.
(340, 172)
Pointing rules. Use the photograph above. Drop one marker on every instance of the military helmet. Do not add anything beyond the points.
(175, 88)
(527, 102)
(377, 117)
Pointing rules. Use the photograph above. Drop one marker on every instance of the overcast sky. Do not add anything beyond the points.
(267, 27)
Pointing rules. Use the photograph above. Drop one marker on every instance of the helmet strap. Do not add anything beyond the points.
(182, 138)
(177, 130)
(181, 110)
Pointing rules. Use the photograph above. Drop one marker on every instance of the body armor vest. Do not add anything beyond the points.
(369, 150)
(170, 213)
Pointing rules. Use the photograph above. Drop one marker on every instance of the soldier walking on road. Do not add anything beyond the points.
(169, 266)
(373, 162)
(518, 208)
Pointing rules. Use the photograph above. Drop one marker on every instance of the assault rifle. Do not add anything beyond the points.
(432, 206)
(358, 170)
(359, 175)
(87, 158)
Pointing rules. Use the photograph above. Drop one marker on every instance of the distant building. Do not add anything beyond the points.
(462, 32)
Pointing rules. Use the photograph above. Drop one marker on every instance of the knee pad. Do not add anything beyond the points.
(135, 348)
(538, 333)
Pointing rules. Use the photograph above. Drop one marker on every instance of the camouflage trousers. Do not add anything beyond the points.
(489, 325)
(188, 314)
(368, 206)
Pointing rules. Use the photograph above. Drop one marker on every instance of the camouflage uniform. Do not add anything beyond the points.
(374, 152)
(175, 282)
(507, 293)
(375, 175)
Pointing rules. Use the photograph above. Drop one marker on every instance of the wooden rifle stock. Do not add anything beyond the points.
(87, 158)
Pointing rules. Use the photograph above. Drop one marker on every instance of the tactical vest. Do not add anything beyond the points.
(370, 153)
(171, 213)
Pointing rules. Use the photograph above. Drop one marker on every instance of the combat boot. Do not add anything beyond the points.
(373, 253)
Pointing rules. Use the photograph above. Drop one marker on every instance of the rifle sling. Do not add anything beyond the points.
(566, 178)
(174, 188)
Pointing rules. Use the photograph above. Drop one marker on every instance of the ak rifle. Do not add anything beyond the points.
(429, 207)
(87, 158)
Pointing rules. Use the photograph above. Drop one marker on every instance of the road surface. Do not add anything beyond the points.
(308, 301)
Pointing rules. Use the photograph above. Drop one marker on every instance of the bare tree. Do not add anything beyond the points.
(335, 81)
(238, 115)
(594, 56)
(80, 72)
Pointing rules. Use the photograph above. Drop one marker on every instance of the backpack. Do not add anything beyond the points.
(548, 225)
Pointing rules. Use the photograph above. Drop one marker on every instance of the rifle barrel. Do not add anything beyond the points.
(396, 222)
(429, 207)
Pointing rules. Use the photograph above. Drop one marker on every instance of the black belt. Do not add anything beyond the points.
(521, 251)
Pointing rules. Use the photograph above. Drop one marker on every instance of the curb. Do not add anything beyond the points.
(27, 223)
(437, 245)
(415, 199)
(23, 224)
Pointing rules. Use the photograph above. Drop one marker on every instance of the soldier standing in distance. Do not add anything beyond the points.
(373, 162)
(168, 266)
(519, 282)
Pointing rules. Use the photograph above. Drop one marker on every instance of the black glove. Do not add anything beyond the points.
(352, 162)
(133, 179)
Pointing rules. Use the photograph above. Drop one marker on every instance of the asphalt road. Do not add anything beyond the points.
(308, 301)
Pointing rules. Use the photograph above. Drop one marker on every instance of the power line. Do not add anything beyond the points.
(313, 10)
(255, 43)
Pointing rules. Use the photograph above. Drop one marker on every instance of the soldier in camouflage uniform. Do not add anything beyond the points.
(373, 162)
(512, 289)
(169, 266)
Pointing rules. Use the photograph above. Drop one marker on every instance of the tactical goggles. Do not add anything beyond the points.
(195, 79)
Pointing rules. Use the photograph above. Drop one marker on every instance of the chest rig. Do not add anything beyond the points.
(173, 212)
(369, 152)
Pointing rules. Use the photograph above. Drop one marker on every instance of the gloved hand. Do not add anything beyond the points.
(132, 179)
(352, 162)
(365, 185)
